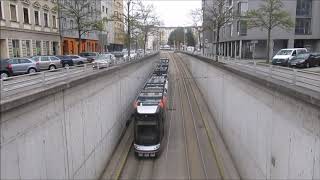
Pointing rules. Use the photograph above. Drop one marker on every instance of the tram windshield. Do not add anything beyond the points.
(147, 135)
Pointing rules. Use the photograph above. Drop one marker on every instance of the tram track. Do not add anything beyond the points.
(179, 78)
(188, 149)
(194, 172)
(189, 84)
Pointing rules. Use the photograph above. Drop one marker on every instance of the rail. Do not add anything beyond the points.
(296, 77)
(44, 78)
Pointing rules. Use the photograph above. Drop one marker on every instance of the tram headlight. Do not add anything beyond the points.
(157, 146)
(136, 147)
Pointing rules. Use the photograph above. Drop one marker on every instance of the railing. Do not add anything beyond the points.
(44, 78)
(296, 77)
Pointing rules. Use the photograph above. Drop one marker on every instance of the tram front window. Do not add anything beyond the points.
(147, 135)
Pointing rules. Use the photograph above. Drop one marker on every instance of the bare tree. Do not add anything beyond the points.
(197, 19)
(147, 21)
(129, 18)
(84, 14)
(269, 16)
(216, 16)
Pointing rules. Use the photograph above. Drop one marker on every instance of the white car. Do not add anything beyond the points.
(104, 61)
(284, 55)
(133, 55)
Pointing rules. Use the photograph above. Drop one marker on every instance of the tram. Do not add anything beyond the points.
(150, 115)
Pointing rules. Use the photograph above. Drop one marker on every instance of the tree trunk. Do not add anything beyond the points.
(79, 41)
(217, 44)
(129, 35)
(199, 40)
(268, 46)
(144, 43)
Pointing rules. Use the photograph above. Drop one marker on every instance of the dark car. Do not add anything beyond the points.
(91, 56)
(305, 60)
(65, 61)
(5, 68)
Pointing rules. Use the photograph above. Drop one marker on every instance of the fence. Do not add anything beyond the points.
(41, 79)
(297, 77)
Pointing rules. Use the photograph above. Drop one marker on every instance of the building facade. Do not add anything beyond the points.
(118, 26)
(236, 40)
(106, 37)
(89, 40)
(28, 28)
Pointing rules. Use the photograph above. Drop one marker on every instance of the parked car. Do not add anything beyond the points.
(65, 61)
(5, 69)
(125, 56)
(305, 60)
(284, 55)
(71, 60)
(104, 61)
(133, 54)
(118, 54)
(47, 62)
(78, 60)
(16, 66)
(140, 52)
(91, 56)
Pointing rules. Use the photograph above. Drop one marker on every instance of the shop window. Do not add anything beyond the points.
(38, 48)
(16, 48)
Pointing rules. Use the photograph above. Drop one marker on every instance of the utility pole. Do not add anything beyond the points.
(184, 39)
(60, 27)
(129, 34)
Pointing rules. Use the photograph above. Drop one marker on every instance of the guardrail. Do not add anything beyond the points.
(297, 77)
(44, 78)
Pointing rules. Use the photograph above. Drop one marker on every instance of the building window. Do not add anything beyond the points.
(106, 10)
(242, 27)
(47, 48)
(28, 48)
(38, 48)
(26, 16)
(304, 8)
(45, 16)
(71, 24)
(102, 8)
(13, 12)
(303, 26)
(1, 15)
(54, 21)
(36, 18)
(242, 8)
(16, 48)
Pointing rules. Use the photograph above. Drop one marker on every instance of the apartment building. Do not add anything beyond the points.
(236, 40)
(28, 28)
(89, 40)
(106, 37)
(118, 32)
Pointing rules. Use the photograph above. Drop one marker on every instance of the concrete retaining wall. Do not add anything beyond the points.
(269, 134)
(71, 133)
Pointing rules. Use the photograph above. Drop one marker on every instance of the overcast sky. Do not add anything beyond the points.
(175, 12)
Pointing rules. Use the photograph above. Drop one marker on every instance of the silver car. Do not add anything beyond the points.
(47, 62)
(23, 65)
(104, 61)
(78, 60)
